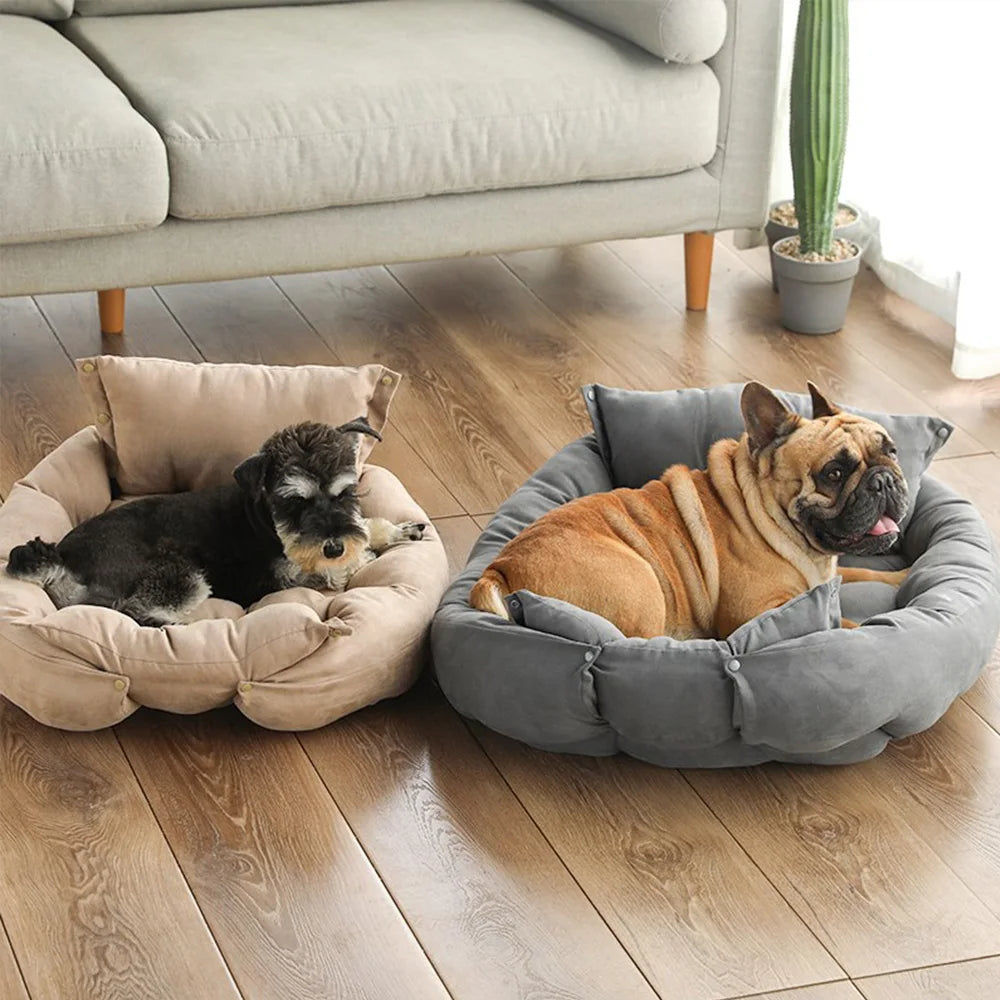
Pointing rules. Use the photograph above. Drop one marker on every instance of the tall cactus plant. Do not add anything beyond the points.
(818, 132)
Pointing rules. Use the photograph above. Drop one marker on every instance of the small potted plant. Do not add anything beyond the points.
(848, 224)
(815, 270)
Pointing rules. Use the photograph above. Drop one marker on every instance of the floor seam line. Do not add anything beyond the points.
(305, 319)
(976, 712)
(395, 425)
(921, 968)
(180, 325)
(682, 313)
(177, 864)
(764, 875)
(442, 324)
(787, 990)
(565, 323)
(561, 860)
(375, 869)
(52, 330)
(17, 962)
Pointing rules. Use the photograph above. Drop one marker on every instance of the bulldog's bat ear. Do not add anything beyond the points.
(765, 416)
(251, 475)
(822, 407)
(359, 426)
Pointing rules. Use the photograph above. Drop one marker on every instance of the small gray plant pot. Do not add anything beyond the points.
(856, 231)
(814, 295)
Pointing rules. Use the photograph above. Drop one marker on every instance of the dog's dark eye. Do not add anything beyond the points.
(833, 473)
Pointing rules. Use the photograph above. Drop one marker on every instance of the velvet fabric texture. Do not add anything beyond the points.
(789, 685)
(641, 433)
(298, 658)
(173, 425)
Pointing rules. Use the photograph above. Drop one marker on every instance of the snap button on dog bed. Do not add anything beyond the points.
(789, 685)
(311, 656)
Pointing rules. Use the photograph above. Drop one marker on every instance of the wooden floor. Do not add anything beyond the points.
(406, 854)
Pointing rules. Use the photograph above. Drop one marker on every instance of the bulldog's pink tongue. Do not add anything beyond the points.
(883, 526)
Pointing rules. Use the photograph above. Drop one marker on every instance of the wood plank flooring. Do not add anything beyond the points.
(272, 862)
(11, 982)
(92, 900)
(406, 853)
(942, 982)
(464, 859)
(841, 990)
(675, 887)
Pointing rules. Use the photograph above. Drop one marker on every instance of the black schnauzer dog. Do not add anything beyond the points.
(291, 519)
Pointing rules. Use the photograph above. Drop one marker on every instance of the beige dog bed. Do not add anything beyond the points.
(295, 660)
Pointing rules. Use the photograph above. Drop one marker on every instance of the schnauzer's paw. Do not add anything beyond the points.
(383, 534)
(34, 559)
(412, 531)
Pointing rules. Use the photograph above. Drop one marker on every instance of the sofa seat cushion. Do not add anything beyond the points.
(100, 8)
(286, 109)
(75, 158)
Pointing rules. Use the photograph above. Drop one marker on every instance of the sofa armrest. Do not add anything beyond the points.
(682, 31)
(741, 41)
(747, 68)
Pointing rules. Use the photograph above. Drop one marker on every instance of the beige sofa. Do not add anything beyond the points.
(156, 141)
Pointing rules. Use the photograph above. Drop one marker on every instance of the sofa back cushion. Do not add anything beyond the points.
(683, 31)
(290, 109)
(45, 10)
(95, 8)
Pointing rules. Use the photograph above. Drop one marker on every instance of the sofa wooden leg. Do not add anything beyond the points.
(111, 306)
(697, 268)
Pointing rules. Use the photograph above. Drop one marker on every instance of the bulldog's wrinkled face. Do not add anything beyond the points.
(836, 476)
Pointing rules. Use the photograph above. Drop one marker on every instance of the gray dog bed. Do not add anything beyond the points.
(789, 685)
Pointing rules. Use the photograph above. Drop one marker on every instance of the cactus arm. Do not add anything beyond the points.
(818, 130)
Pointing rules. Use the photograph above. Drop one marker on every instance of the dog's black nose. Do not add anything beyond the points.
(333, 549)
(879, 480)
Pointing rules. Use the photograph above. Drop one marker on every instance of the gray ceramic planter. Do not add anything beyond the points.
(856, 231)
(814, 295)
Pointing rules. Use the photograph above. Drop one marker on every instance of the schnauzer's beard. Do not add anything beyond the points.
(309, 557)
